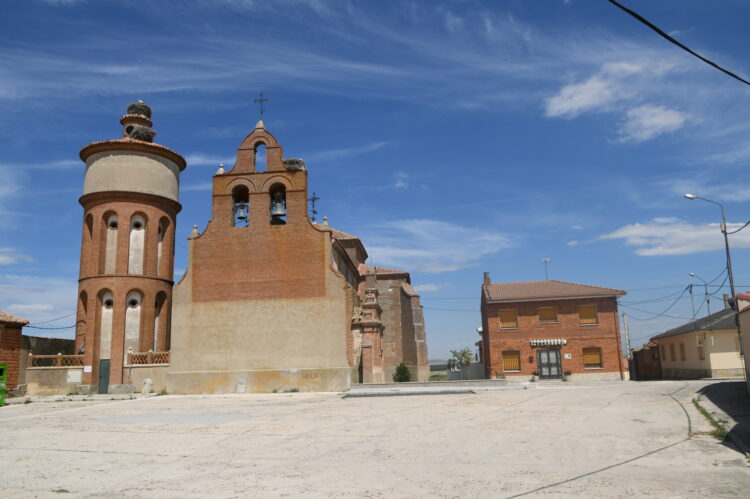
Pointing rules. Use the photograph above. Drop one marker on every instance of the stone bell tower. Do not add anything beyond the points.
(130, 203)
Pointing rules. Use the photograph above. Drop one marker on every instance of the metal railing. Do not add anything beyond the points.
(58, 360)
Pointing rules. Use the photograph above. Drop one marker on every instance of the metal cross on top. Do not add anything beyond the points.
(260, 102)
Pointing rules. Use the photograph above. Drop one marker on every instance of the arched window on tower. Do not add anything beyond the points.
(260, 157)
(132, 320)
(110, 251)
(277, 205)
(163, 224)
(158, 323)
(105, 324)
(88, 245)
(137, 242)
(240, 206)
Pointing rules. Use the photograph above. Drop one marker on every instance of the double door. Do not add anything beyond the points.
(549, 362)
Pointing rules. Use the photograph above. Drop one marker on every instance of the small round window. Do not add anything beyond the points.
(129, 129)
(137, 225)
(133, 303)
(113, 224)
(108, 303)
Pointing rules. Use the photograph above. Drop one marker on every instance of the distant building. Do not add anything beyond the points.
(708, 347)
(646, 362)
(551, 327)
(743, 306)
(10, 347)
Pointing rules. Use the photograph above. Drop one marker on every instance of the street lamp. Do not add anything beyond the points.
(726, 243)
(708, 297)
(729, 268)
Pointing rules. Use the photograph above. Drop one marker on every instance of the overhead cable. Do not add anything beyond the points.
(672, 40)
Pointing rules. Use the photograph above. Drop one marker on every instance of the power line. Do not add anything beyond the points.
(36, 327)
(672, 40)
(663, 313)
(50, 320)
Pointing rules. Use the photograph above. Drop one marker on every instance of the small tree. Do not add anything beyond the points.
(402, 374)
(461, 357)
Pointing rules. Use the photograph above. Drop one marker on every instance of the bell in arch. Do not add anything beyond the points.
(278, 210)
(240, 212)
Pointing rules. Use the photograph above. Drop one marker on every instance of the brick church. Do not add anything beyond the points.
(268, 301)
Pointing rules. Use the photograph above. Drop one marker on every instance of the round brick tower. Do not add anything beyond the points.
(130, 203)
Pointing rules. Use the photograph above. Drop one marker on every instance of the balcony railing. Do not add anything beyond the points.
(147, 358)
(58, 360)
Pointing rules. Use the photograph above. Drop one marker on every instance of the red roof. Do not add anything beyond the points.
(365, 269)
(537, 290)
(12, 319)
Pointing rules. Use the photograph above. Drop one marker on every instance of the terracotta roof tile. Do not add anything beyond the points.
(12, 319)
(534, 290)
(338, 234)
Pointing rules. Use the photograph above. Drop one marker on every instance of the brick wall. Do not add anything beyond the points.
(604, 335)
(10, 353)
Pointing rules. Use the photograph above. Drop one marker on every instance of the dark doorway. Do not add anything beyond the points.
(550, 365)
(103, 376)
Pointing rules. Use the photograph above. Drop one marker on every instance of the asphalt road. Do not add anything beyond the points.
(618, 440)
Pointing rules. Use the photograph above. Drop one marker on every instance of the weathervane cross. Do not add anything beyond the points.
(260, 103)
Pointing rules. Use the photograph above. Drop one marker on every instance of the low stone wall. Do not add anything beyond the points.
(259, 381)
(596, 376)
(157, 374)
(53, 380)
(682, 373)
(728, 373)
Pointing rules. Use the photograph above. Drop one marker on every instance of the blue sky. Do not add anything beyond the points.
(453, 137)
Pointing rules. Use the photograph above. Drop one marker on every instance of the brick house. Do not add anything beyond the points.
(10, 346)
(550, 327)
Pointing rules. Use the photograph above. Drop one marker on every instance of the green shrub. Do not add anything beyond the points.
(402, 374)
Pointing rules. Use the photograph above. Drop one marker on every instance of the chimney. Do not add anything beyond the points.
(486, 278)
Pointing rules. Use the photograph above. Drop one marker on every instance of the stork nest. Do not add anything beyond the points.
(139, 108)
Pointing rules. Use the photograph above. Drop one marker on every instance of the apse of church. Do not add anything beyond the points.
(269, 301)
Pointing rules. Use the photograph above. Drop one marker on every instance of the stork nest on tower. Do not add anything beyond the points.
(139, 107)
(294, 164)
(143, 133)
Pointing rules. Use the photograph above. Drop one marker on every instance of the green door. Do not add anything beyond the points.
(103, 375)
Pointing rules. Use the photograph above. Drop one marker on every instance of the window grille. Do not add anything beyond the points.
(547, 314)
(587, 314)
(508, 319)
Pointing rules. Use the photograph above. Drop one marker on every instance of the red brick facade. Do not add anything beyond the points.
(566, 334)
(10, 352)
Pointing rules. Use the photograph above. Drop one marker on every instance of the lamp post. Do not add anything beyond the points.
(708, 297)
(729, 270)
(726, 243)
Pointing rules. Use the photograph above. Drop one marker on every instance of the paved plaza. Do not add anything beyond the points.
(609, 440)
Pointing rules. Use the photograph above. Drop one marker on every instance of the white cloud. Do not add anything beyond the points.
(10, 256)
(619, 87)
(424, 288)
(576, 98)
(402, 180)
(334, 154)
(573, 243)
(430, 245)
(672, 236)
(198, 159)
(646, 122)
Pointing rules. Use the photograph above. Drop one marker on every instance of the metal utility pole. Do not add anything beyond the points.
(545, 261)
(627, 335)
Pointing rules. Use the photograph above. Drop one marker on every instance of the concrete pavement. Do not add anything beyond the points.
(618, 440)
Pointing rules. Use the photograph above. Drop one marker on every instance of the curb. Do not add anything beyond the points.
(738, 442)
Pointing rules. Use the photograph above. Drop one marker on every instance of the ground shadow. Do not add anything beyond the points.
(732, 398)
